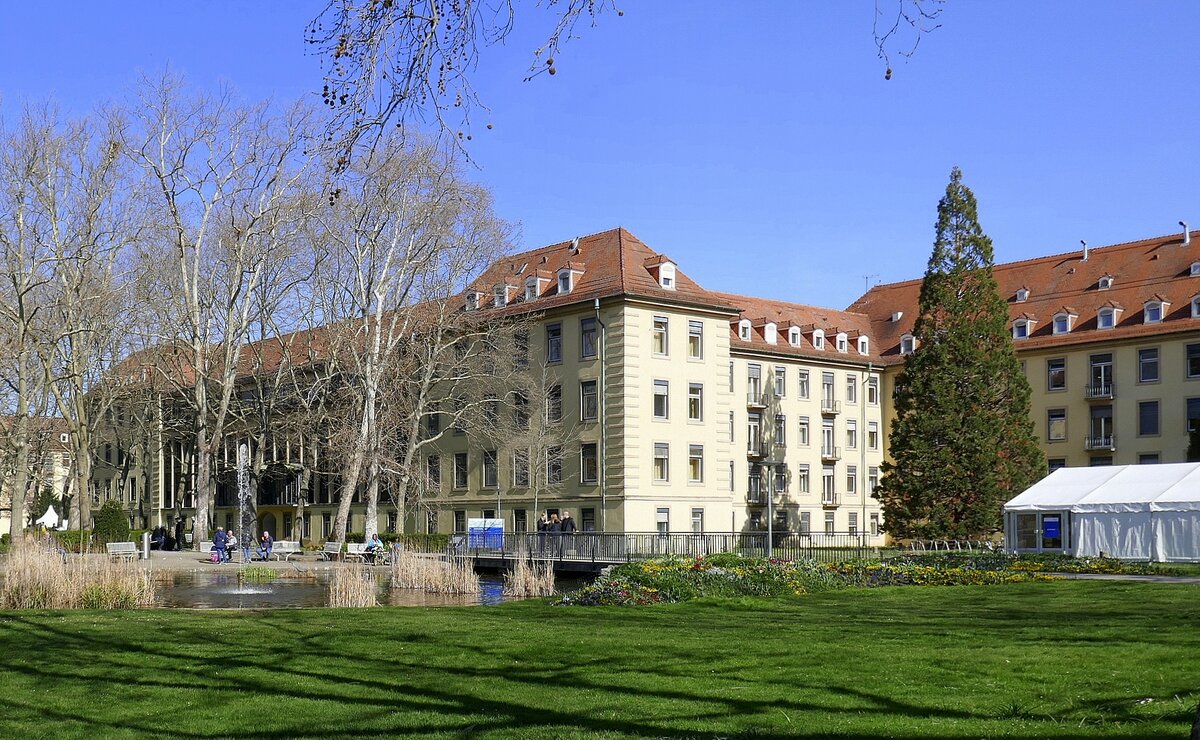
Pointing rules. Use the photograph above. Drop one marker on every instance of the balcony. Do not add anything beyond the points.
(831, 454)
(1098, 392)
(830, 407)
(1102, 443)
(755, 398)
(755, 448)
(830, 498)
(756, 498)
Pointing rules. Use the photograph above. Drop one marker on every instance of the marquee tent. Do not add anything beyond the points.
(1134, 512)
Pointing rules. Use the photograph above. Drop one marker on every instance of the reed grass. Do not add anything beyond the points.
(435, 575)
(37, 575)
(257, 574)
(352, 587)
(529, 578)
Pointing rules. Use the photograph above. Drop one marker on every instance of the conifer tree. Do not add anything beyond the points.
(962, 441)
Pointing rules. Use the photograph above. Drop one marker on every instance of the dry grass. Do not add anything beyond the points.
(37, 576)
(353, 587)
(419, 570)
(529, 578)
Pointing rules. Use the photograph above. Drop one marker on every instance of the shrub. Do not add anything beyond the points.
(72, 540)
(112, 524)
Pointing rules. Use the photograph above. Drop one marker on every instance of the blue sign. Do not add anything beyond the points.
(1050, 529)
(485, 534)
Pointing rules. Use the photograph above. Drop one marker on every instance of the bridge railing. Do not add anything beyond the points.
(619, 547)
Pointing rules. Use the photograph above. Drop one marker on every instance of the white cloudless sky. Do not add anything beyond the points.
(756, 143)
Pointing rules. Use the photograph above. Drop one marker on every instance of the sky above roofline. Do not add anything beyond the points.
(757, 145)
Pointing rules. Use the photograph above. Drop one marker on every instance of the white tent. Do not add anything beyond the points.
(49, 520)
(1135, 512)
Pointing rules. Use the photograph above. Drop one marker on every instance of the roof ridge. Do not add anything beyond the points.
(726, 294)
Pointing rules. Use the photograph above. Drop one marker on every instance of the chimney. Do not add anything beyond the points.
(1187, 235)
(1085, 249)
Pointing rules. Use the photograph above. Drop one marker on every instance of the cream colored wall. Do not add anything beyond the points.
(794, 455)
(644, 496)
(1171, 391)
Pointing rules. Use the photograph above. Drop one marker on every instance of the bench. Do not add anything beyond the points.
(126, 550)
(284, 549)
(356, 550)
(331, 551)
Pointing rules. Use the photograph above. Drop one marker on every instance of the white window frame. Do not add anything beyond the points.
(695, 402)
(695, 340)
(695, 463)
(843, 343)
(744, 330)
(1062, 323)
(864, 346)
(663, 475)
(665, 386)
(1158, 307)
(660, 327)
(794, 336)
(1106, 318)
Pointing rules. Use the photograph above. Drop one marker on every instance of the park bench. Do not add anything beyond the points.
(126, 550)
(356, 550)
(331, 551)
(284, 549)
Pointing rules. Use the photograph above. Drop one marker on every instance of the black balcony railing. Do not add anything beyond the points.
(619, 547)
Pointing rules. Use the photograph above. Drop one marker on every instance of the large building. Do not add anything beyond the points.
(699, 411)
(1110, 341)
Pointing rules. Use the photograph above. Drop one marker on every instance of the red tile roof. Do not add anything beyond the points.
(1140, 270)
(808, 318)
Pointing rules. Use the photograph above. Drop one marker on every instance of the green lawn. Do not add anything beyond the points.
(1068, 659)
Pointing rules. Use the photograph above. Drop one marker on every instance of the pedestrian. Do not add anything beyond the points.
(543, 526)
(264, 545)
(567, 524)
(218, 545)
(179, 533)
(555, 531)
(246, 548)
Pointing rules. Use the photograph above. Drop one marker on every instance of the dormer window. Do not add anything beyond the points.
(1195, 268)
(1105, 282)
(473, 300)
(842, 342)
(1022, 295)
(1106, 318)
(771, 333)
(1196, 307)
(794, 336)
(531, 290)
(1062, 323)
(1022, 328)
(564, 281)
(907, 344)
(535, 284)
(666, 276)
(863, 345)
(819, 338)
(501, 293)
(744, 330)
(1154, 310)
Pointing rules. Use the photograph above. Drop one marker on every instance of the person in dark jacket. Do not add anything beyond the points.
(567, 524)
(179, 533)
(543, 526)
(218, 545)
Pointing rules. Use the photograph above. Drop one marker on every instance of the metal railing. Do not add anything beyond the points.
(831, 453)
(756, 398)
(830, 406)
(621, 547)
(1098, 391)
(1102, 442)
(830, 498)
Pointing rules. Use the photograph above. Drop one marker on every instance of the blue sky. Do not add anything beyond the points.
(756, 143)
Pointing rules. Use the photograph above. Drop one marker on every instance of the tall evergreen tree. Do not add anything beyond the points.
(962, 441)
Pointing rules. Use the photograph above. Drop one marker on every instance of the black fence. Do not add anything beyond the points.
(621, 547)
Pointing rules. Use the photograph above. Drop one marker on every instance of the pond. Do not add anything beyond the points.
(212, 590)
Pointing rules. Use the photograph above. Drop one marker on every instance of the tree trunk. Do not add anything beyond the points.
(202, 521)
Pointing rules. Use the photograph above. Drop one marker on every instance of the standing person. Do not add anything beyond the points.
(264, 545)
(555, 530)
(179, 533)
(246, 547)
(543, 526)
(568, 530)
(218, 545)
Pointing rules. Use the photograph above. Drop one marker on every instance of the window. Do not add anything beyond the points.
(1148, 365)
(744, 330)
(460, 521)
(589, 462)
(588, 519)
(553, 342)
(754, 490)
(491, 411)
(842, 344)
(697, 521)
(696, 463)
(872, 479)
(564, 281)
(829, 522)
(851, 389)
(873, 391)
(827, 481)
(805, 523)
(907, 344)
(851, 434)
(491, 479)
(666, 276)
(433, 422)
(852, 480)
(1100, 462)
(521, 348)
(863, 345)
(802, 435)
(780, 429)
(1102, 375)
(472, 301)
(520, 410)
(754, 432)
(1056, 374)
(794, 336)
(754, 382)
(781, 478)
(802, 388)
(589, 409)
(696, 339)
(873, 435)
(520, 520)
(731, 426)
(1193, 360)
(1056, 425)
(1147, 418)
(662, 519)
(803, 483)
(770, 332)
(1105, 282)
(658, 343)
(874, 524)
(554, 404)
(1062, 323)
(1196, 307)
(661, 396)
(731, 377)
(827, 393)
(827, 446)
(433, 470)
(695, 402)
(780, 381)
(1152, 312)
(1022, 295)
(852, 523)
(1148, 458)
(662, 461)
(501, 295)
(818, 339)
(1021, 328)
(460, 470)
(1055, 463)
(1106, 318)
(731, 475)
(587, 337)
(554, 465)
(1193, 414)
(520, 466)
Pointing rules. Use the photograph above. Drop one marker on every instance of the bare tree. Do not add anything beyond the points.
(403, 235)
(225, 174)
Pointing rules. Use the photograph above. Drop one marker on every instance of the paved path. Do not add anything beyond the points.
(1191, 580)
(188, 560)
